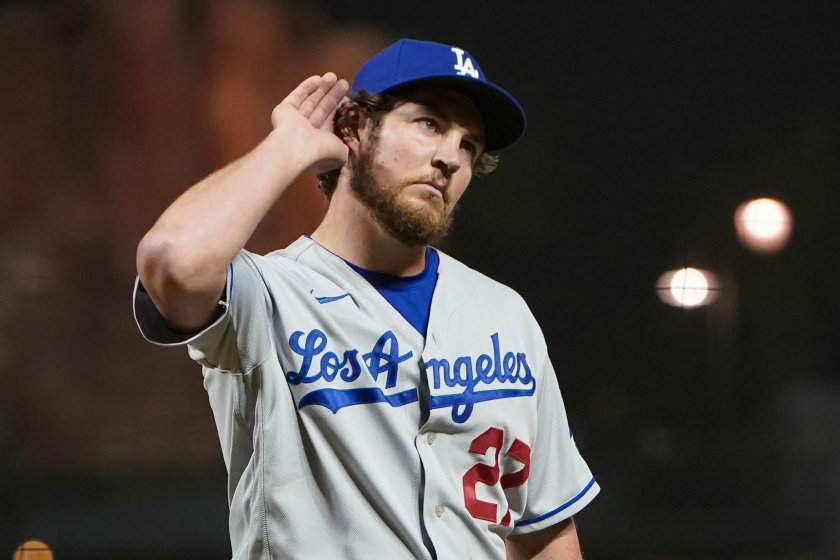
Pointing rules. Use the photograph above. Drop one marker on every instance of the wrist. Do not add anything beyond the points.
(295, 153)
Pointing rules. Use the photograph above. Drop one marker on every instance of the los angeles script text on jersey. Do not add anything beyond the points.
(492, 371)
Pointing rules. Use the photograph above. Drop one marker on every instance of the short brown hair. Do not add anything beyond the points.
(374, 106)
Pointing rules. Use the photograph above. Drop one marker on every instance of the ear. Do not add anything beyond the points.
(350, 127)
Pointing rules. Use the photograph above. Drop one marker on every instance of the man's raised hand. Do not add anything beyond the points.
(306, 118)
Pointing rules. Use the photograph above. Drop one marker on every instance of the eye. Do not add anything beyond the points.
(470, 147)
(429, 124)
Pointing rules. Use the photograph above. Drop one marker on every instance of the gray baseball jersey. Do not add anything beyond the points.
(347, 434)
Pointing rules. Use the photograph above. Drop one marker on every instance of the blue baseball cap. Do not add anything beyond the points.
(408, 62)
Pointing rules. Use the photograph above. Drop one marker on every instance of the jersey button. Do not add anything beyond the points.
(439, 510)
(431, 437)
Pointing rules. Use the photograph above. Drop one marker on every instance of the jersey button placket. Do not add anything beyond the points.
(431, 437)
(439, 509)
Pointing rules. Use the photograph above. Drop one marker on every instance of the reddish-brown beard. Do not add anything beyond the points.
(412, 224)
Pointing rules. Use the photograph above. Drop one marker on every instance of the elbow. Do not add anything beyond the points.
(154, 261)
(183, 286)
(166, 268)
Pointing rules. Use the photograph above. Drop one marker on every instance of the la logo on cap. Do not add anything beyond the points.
(464, 67)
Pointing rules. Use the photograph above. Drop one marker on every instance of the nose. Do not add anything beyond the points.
(447, 156)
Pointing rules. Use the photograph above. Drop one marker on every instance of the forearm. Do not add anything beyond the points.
(183, 259)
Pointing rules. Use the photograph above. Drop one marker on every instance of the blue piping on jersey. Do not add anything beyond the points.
(230, 288)
(558, 510)
(336, 399)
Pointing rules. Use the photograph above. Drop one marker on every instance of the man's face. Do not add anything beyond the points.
(415, 166)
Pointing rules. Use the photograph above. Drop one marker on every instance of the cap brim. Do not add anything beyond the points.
(504, 118)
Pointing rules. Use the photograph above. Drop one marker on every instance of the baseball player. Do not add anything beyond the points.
(374, 397)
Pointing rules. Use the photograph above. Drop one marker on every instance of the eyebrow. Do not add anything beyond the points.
(443, 116)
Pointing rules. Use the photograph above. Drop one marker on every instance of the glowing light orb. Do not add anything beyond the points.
(687, 287)
(33, 550)
(763, 225)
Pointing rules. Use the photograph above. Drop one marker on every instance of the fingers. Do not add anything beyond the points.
(309, 104)
(302, 92)
(325, 109)
(316, 98)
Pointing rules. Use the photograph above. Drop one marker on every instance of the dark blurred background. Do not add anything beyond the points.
(712, 431)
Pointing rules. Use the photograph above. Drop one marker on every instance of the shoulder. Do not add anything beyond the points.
(291, 260)
(478, 282)
(294, 252)
(484, 291)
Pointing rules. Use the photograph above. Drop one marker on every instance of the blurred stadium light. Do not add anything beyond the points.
(763, 225)
(33, 550)
(688, 287)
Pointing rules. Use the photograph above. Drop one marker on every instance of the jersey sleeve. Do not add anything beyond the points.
(236, 342)
(559, 483)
